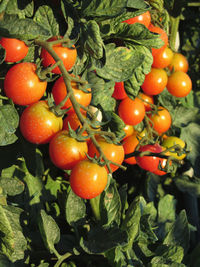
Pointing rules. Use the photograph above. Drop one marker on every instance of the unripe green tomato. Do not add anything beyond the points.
(171, 141)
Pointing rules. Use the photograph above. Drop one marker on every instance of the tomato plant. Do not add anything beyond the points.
(131, 111)
(68, 56)
(112, 152)
(22, 84)
(163, 59)
(88, 179)
(38, 124)
(65, 152)
(59, 92)
(179, 63)
(16, 49)
(161, 120)
(179, 84)
(144, 19)
(155, 82)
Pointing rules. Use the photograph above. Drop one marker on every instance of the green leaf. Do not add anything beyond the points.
(110, 206)
(9, 120)
(91, 39)
(2, 54)
(115, 124)
(189, 185)
(166, 209)
(16, 7)
(132, 85)
(11, 186)
(121, 62)
(4, 261)
(13, 243)
(49, 230)
(3, 5)
(162, 262)
(44, 17)
(172, 253)
(75, 209)
(53, 186)
(25, 29)
(100, 240)
(179, 232)
(132, 219)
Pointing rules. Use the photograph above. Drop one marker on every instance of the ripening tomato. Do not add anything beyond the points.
(65, 151)
(163, 59)
(88, 179)
(151, 163)
(68, 56)
(163, 37)
(179, 63)
(179, 84)
(144, 19)
(170, 141)
(155, 82)
(129, 145)
(22, 84)
(129, 130)
(131, 111)
(119, 91)
(147, 100)
(16, 49)
(73, 121)
(112, 152)
(38, 124)
(59, 92)
(161, 121)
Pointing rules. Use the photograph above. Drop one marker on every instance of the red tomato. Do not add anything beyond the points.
(131, 111)
(65, 152)
(179, 84)
(88, 179)
(59, 92)
(179, 63)
(38, 124)
(119, 91)
(74, 122)
(129, 130)
(147, 100)
(22, 84)
(129, 145)
(151, 163)
(155, 82)
(144, 19)
(16, 49)
(161, 121)
(67, 55)
(162, 59)
(163, 36)
(112, 152)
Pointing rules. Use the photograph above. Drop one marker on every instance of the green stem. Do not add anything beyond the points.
(173, 32)
(94, 203)
(62, 258)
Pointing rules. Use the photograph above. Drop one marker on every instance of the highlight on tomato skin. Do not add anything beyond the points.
(88, 179)
(163, 58)
(16, 49)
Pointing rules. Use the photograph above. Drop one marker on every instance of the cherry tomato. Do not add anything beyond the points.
(129, 145)
(147, 100)
(38, 124)
(179, 63)
(163, 59)
(151, 163)
(131, 111)
(74, 122)
(161, 121)
(171, 141)
(59, 92)
(129, 130)
(179, 84)
(16, 49)
(163, 37)
(65, 152)
(66, 54)
(22, 84)
(144, 19)
(88, 179)
(112, 152)
(119, 91)
(155, 82)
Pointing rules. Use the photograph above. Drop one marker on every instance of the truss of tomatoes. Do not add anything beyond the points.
(39, 125)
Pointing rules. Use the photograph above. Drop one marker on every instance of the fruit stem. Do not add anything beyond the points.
(94, 203)
(174, 22)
